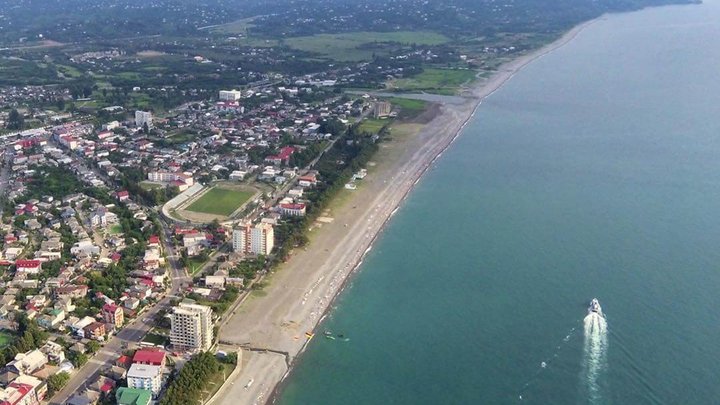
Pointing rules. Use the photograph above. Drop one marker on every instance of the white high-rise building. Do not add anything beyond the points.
(143, 117)
(230, 95)
(191, 326)
(258, 239)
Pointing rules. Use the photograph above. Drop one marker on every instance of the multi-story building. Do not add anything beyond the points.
(293, 210)
(230, 95)
(381, 109)
(142, 118)
(113, 314)
(258, 239)
(191, 326)
(145, 377)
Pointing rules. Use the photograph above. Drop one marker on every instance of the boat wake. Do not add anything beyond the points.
(594, 362)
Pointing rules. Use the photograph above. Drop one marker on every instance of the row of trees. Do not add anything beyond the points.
(350, 152)
(188, 385)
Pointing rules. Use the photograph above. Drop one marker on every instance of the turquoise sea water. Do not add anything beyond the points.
(593, 172)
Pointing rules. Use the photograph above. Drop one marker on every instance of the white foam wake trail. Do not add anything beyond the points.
(595, 356)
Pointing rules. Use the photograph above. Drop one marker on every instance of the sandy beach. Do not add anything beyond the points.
(271, 325)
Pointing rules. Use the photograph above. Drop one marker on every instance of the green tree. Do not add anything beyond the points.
(93, 346)
(57, 381)
(16, 121)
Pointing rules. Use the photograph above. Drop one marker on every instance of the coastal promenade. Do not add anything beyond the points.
(272, 327)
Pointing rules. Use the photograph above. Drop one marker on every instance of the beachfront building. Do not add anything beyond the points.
(256, 240)
(145, 377)
(230, 95)
(191, 326)
(142, 118)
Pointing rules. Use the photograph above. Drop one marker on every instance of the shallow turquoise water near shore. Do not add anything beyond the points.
(593, 172)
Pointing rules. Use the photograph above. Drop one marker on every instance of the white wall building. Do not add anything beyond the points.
(230, 95)
(258, 239)
(191, 326)
(146, 377)
(142, 118)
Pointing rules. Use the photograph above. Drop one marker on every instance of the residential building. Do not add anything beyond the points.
(142, 118)
(113, 314)
(191, 326)
(230, 95)
(133, 396)
(293, 210)
(258, 239)
(381, 109)
(28, 266)
(28, 363)
(151, 357)
(95, 331)
(146, 377)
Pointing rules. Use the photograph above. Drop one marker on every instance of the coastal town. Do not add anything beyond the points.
(127, 242)
(185, 189)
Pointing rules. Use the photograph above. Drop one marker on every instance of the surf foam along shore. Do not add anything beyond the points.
(273, 326)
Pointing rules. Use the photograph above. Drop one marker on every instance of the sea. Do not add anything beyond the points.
(593, 173)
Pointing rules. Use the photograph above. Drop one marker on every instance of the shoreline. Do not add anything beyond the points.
(449, 125)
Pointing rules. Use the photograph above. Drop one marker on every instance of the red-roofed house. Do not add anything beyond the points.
(113, 314)
(95, 330)
(123, 195)
(295, 210)
(153, 357)
(153, 241)
(281, 158)
(28, 266)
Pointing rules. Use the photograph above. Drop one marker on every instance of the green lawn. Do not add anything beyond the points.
(356, 46)
(439, 81)
(372, 125)
(146, 185)
(220, 201)
(409, 108)
(115, 229)
(195, 265)
(155, 339)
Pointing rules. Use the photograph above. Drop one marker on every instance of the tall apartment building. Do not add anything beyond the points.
(381, 109)
(191, 326)
(258, 239)
(142, 118)
(230, 95)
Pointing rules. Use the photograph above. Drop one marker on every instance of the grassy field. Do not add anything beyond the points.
(147, 185)
(438, 81)
(355, 46)
(409, 108)
(155, 339)
(115, 229)
(372, 125)
(220, 201)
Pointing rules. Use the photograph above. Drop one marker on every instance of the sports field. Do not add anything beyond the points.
(220, 201)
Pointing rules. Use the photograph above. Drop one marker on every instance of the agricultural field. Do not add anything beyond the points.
(220, 201)
(357, 46)
(437, 81)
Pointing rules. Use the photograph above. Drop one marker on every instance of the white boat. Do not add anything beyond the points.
(595, 307)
